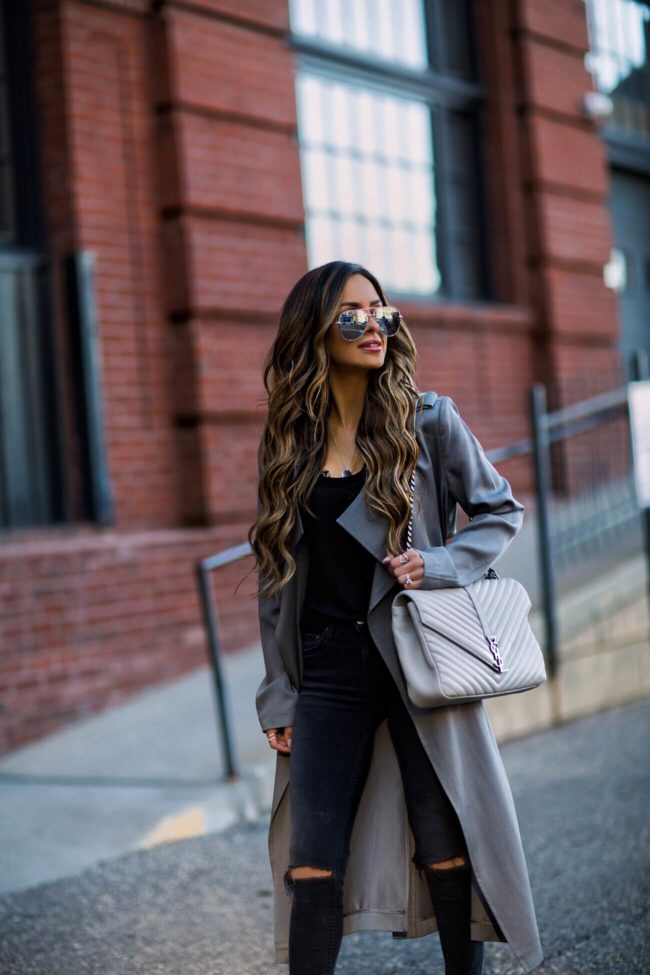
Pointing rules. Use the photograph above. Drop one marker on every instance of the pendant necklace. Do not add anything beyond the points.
(346, 471)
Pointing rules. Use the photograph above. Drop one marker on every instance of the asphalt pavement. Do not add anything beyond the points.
(203, 906)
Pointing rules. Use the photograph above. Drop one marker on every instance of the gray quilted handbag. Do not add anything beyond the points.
(464, 643)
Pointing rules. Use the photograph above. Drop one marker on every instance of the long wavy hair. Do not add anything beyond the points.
(293, 446)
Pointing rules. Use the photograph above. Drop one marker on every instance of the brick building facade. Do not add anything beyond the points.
(165, 144)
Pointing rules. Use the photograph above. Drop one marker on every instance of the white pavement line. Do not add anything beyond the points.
(189, 822)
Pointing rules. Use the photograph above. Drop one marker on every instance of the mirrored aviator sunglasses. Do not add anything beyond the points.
(352, 323)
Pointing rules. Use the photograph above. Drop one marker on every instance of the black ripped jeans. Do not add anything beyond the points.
(347, 691)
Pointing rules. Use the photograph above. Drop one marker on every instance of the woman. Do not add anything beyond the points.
(397, 818)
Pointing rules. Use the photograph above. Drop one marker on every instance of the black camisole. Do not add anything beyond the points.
(341, 570)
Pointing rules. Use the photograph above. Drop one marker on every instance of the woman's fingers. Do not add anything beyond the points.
(280, 738)
(413, 568)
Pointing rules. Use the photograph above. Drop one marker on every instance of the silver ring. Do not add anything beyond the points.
(408, 581)
(403, 558)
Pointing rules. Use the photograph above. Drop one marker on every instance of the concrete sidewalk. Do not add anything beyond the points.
(138, 774)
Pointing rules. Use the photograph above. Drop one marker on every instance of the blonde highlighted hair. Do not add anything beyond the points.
(294, 440)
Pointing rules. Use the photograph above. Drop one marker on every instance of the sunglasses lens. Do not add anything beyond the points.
(352, 324)
(388, 319)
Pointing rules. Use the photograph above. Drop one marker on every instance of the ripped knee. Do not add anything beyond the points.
(301, 873)
(442, 866)
(304, 873)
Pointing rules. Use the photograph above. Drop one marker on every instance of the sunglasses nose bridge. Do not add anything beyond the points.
(371, 321)
(366, 317)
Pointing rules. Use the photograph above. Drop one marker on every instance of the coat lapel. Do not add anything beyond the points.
(369, 529)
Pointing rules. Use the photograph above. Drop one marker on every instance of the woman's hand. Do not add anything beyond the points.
(280, 738)
(408, 568)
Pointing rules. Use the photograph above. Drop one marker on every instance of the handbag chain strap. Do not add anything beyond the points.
(490, 573)
(409, 530)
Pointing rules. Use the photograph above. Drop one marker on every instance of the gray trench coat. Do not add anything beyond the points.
(386, 892)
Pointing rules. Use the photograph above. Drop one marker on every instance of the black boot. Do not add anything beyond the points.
(316, 925)
(450, 889)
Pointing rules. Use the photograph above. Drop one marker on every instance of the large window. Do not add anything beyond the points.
(620, 62)
(388, 125)
(30, 474)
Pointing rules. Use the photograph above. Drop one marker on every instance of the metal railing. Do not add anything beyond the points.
(557, 537)
(209, 611)
(601, 515)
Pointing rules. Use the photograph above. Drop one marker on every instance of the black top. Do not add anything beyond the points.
(340, 568)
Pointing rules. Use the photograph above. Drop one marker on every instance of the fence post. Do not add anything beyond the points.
(541, 444)
(214, 648)
(639, 372)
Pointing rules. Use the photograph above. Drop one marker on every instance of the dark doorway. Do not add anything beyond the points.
(630, 206)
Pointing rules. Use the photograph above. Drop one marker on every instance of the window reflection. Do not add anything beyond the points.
(620, 37)
(393, 30)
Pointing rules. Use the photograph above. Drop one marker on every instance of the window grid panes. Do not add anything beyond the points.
(376, 188)
(383, 29)
(619, 60)
(367, 163)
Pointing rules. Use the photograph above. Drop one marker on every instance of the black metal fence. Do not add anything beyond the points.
(588, 516)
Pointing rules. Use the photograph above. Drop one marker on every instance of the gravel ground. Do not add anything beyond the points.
(203, 906)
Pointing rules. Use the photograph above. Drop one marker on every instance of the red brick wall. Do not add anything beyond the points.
(168, 142)
(225, 101)
(94, 617)
(565, 186)
(115, 198)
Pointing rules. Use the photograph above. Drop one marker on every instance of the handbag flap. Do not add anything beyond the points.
(451, 612)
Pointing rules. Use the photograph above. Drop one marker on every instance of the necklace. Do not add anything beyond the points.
(346, 471)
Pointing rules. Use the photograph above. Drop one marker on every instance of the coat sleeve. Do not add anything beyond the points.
(495, 515)
(275, 699)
